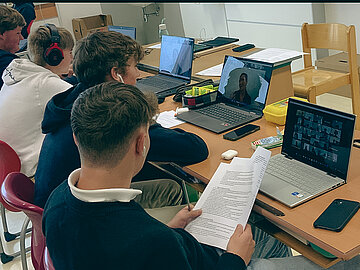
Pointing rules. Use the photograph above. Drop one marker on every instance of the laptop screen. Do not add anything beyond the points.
(319, 136)
(245, 82)
(176, 56)
(125, 30)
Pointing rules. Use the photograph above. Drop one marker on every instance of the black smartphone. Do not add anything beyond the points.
(240, 132)
(337, 215)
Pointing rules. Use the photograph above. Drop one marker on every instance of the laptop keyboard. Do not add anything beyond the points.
(224, 114)
(297, 175)
(158, 82)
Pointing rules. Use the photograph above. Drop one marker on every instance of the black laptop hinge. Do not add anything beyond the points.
(331, 174)
(288, 157)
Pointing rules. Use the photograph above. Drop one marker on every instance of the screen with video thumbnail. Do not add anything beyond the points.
(245, 82)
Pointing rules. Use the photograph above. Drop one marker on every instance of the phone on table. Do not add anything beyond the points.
(337, 215)
(241, 132)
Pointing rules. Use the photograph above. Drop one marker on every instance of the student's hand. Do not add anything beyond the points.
(241, 243)
(184, 217)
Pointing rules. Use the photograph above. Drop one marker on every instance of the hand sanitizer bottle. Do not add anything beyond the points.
(162, 29)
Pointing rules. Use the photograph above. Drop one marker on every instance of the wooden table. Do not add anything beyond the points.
(299, 220)
(281, 85)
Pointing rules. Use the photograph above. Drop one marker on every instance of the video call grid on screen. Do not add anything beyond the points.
(176, 56)
(256, 81)
(320, 137)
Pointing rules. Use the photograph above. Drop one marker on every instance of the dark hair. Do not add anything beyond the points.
(10, 19)
(246, 76)
(96, 54)
(105, 117)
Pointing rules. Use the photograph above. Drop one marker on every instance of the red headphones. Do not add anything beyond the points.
(53, 55)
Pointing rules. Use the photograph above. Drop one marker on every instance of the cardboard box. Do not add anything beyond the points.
(337, 62)
(84, 26)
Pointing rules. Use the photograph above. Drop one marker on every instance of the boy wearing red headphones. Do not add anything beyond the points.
(28, 86)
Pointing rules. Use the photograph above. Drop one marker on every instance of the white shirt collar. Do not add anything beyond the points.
(100, 195)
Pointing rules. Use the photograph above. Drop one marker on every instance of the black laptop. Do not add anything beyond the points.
(175, 67)
(243, 89)
(125, 30)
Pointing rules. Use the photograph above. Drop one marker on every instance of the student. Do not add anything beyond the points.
(95, 206)
(99, 57)
(27, 10)
(11, 24)
(28, 86)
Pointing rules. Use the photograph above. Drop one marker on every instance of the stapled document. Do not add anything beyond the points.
(229, 198)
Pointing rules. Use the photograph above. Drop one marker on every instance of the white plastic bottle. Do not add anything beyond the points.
(162, 29)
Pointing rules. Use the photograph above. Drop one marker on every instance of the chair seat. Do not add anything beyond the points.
(320, 81)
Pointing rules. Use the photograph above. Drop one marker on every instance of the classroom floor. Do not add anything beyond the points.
(15, 220)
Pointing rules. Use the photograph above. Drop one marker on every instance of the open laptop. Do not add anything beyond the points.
(315, 154)
(176, 57)
(243, 89)
(125, 30)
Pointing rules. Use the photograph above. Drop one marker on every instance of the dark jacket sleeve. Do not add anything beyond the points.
(201, 256)
(176, 145)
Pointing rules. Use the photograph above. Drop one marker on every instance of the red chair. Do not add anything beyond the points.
(17, 190)
(9, 162)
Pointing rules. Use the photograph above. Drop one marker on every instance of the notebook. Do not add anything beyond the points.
(201, 47)
(219, 41)
(176, 57)
(125, 30)
(243, 89)
(315, 154)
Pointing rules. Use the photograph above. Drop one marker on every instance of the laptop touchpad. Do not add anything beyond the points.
(271, 184)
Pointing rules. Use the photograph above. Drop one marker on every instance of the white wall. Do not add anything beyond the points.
(68, 11)
(203, 20)
(263, 24)
(346, 13)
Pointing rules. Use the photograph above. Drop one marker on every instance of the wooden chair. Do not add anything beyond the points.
(311, 82)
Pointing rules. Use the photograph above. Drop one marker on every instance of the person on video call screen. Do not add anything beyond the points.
(242, 95)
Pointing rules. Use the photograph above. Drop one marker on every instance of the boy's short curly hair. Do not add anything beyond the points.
(104, 119)
(10, 19)
(96, 54)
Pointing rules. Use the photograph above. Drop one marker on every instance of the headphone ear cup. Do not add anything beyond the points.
(53, 55)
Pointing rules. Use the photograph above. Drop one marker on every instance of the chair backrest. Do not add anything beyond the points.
(18, 191)
(333, 36)
(9, 162)
(339, 37)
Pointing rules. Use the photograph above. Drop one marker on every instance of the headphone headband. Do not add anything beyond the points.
(55, 37)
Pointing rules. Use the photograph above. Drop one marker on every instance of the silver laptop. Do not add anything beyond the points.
(243, 89)
(176, 57)
(315, 154)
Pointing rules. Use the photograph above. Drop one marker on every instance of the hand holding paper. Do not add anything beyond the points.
(228, 199)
